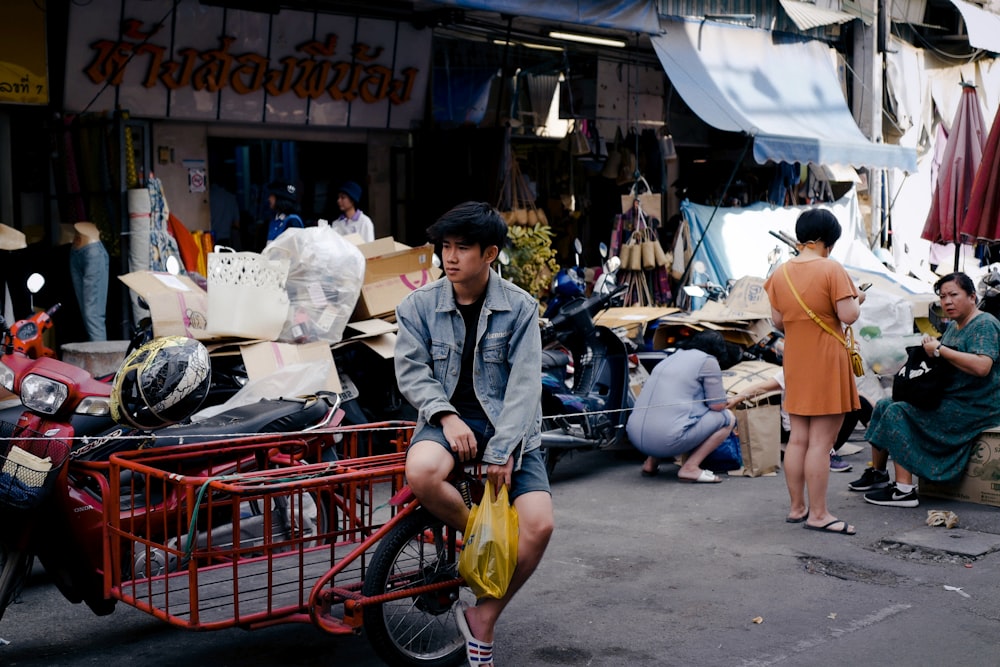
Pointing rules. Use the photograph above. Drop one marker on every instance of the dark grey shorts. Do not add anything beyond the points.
(531, 476)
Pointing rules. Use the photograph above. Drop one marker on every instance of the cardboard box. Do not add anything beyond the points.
(388, 258)
(980, 483)
(177, 305)
(263, 359)
(633, 318)
(737, 379)
(378, 335)
(380, 298)
(392, 270)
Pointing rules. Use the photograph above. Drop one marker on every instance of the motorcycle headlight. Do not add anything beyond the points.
(6, 377)
(94, 406)
(42, 394)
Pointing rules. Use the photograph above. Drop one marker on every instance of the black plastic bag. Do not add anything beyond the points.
(922, 379)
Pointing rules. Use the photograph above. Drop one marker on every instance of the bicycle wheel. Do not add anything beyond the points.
(420, 630)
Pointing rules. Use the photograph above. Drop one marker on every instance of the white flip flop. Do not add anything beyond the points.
(478, 653)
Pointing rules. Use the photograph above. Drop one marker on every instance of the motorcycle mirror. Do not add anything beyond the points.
(603, 249)
(173, 266)
(694, 291)
(614, 264)
(36, 282)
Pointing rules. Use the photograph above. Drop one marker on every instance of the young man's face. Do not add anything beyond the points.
(463, 261)
(344, 202)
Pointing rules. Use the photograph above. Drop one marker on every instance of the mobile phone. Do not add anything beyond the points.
(864, 286)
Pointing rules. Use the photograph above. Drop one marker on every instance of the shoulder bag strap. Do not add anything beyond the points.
(814, 316)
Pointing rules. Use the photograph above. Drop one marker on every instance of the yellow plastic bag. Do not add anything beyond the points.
(489, 550)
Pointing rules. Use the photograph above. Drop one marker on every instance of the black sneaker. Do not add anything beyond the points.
(890, 496)
(871, 479)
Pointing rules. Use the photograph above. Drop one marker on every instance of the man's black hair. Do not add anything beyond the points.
(817, 224)
(472, 222)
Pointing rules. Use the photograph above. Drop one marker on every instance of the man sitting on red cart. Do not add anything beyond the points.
(468, 358)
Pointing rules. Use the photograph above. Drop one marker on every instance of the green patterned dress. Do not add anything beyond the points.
(936, 444)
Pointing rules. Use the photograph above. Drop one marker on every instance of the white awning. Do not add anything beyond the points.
(983, 26)
(807, 15)
(785, 94)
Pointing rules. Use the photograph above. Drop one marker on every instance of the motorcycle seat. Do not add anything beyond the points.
(552, 359)
(266, 416)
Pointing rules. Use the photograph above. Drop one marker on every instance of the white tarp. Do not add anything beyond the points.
(738, 243)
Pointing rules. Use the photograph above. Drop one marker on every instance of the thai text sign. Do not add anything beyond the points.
(23, 70)
(189, 61)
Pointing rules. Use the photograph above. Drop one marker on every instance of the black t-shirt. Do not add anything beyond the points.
(464, 399)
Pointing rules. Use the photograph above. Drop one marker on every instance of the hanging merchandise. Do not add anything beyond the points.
(629, 169)
(532, 257)
(161, 244)
(650, 202)
(517, 203)
(644, 265)
(615, 157)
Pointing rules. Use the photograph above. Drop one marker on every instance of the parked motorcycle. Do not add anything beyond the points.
(53, 487)
(591, 412)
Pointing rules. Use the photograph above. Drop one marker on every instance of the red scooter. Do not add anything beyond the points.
(52, 480)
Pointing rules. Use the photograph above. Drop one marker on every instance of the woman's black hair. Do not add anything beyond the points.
(963, 281)
(817, 224)
(711, 342)
(473, 222)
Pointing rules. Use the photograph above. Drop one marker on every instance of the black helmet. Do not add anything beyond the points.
(161, 383)
(283, 192)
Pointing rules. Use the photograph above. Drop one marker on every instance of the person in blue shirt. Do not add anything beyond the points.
(283, 202)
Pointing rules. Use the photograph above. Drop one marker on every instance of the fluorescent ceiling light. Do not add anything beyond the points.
(588, 39)
(528, 45)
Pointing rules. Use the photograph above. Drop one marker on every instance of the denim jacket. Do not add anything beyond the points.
(508, 356)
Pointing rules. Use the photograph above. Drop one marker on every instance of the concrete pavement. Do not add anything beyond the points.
(649, 571)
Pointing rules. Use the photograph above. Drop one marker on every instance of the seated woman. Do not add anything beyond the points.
(682, 408)
(936, 444)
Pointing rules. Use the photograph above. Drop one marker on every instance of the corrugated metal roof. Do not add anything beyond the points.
(806, 15)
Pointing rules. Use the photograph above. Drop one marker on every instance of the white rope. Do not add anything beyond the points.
(335, 430)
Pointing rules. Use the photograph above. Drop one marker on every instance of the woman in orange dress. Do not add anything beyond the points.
(819, 382)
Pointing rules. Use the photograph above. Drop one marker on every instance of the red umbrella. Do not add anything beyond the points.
(962, 156)
(982, 220)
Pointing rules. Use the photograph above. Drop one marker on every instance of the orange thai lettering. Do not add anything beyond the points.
(109, 62)
(337, 90)
(401, 90)
(248, 76)
(375, 87)
(311, 82)
(279, 81)
(157, 53)
(361, 78)
(319, 49)
(213, 74)
(175, 74)
(366, 53)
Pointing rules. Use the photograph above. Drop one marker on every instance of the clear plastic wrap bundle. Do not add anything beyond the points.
(325, 275)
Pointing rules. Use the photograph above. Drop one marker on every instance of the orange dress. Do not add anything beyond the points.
(818, 375)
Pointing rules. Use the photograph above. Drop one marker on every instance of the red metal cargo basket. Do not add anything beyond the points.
(238, 533)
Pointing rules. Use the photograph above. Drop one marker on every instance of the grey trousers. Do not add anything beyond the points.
(88, 267)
